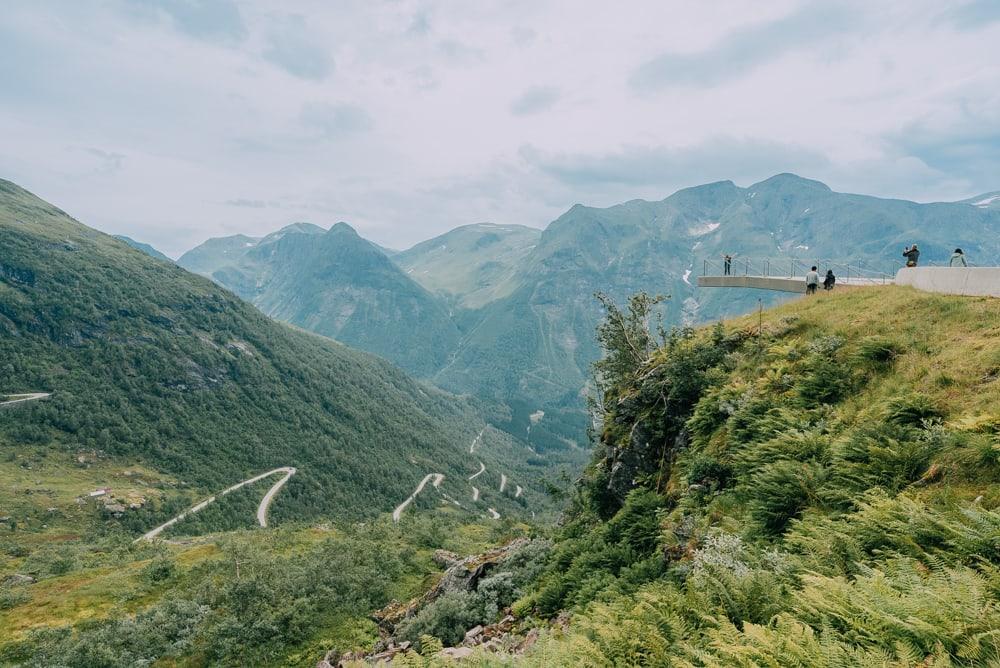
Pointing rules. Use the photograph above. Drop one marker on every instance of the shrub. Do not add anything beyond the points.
(781, 491)
(825, 381)
(709, 471)
(913, 409)
(158, 570)
(878, 353)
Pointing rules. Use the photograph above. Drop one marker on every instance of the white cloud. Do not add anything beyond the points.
(175, 120)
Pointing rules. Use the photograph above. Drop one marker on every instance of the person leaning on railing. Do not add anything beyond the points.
(958, 259)
(912, 255)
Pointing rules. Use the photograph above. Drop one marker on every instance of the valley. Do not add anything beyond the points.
(164, 388)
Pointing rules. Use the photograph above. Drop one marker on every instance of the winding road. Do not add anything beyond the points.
(15, 399)
(265, 503)
(475, 441)
(438, 479)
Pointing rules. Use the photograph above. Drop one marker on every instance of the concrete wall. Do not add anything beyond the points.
(978, 281)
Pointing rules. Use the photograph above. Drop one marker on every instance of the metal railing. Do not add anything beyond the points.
(846, 271)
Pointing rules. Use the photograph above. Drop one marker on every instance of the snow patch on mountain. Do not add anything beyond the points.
(702, 229)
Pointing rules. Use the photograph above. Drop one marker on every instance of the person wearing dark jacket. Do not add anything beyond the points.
(911, 254)
(829, 280)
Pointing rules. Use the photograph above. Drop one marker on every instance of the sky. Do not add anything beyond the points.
(172, 121)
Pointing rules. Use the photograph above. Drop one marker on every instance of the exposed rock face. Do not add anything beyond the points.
(462, 576)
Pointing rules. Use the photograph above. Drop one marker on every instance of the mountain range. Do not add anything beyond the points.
(507, 313)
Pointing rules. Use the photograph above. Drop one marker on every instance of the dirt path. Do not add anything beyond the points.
(518, 492)
(482, 469)
(15, 399)
(494, 514)
(438, 478)
(503, 482)
(476, 440)
(475, 493)
(265, 503)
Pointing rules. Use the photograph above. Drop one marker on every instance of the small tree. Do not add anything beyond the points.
(625, 337)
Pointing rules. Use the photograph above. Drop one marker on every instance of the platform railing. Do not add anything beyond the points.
(846, 271)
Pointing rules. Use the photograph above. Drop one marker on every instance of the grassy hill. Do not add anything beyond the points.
(821, 491)
(151, 365)
(471, 265)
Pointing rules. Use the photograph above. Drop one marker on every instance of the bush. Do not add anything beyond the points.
(781, 491)
(878, 353)
(710, 472)
(158, 570)
(913, 410)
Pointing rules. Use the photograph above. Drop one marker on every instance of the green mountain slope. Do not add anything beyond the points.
(145, 248)
(150, 363)
(822, 492)
(817, 487)
(473, 264)
(337, 284)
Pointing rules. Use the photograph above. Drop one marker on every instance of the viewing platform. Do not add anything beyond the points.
(789, 275)
(786, 274)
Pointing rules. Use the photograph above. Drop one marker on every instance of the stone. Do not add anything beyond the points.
(18, 579)
(455, 653)
(473, 633)
(445, 558)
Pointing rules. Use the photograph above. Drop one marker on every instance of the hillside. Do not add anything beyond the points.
(472, 265)
(149, 365)
(336, 284)
(824, 491)
(820, 487)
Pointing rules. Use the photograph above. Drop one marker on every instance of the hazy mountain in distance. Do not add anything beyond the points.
(984, 201)
(337, 284)
(472, 265)
(145, 248)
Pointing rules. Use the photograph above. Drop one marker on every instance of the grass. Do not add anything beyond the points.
(941, 336)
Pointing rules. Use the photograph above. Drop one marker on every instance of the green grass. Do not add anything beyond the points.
(825, 499)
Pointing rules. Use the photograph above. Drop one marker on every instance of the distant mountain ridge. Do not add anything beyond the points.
(337, 284)
(520, 301)
(145, 248)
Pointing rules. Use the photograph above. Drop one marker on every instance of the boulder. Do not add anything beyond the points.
(455, 653)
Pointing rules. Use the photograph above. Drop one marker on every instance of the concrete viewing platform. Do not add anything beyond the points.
(795, 284)
(969, 281)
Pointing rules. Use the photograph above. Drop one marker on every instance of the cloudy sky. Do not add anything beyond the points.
(176, 120)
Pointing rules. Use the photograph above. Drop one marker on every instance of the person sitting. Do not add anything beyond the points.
(812, 280)
(829, 280)
(958, 259)
(912, 255)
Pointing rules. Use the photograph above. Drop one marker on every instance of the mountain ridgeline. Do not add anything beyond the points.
(149, 363)
(507, 313)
